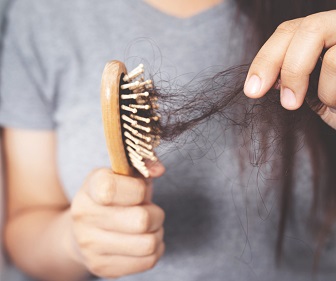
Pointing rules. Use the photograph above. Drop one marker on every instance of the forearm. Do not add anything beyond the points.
(40, 242)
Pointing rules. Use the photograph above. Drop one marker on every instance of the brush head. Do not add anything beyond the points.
(131, 124)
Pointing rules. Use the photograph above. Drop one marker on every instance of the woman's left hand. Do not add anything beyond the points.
(293, 51)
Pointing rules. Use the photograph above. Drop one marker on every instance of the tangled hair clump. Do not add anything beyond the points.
(270, 130)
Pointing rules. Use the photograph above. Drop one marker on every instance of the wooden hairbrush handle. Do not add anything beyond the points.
(110, 86)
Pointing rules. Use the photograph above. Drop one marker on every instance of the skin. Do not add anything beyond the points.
(112, 228)
(292, 52)
(183, 9)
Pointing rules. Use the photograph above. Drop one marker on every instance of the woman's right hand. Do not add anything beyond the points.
(117, 230)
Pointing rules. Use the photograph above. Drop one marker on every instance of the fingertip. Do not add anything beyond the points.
(156, 169)
(288, 99)
(252, 86)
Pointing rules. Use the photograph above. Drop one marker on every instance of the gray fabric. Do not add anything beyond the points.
(219, 226)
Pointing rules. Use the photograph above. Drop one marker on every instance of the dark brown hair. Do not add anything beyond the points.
(268, 14)
(222, 96)
(321, 140)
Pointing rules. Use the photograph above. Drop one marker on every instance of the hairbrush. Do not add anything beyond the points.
(131, 123)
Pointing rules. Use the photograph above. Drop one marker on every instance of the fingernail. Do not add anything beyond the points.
(288, 98)
(253, 85)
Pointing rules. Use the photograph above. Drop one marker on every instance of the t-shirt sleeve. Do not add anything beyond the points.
(25, 99)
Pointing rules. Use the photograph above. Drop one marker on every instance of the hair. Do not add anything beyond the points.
(320, 138)
(267, 15)
(222, 96)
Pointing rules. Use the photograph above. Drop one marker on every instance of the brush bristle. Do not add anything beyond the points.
(140, 122)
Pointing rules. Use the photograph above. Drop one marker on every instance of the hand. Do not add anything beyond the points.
(117, 230)
(292, 51)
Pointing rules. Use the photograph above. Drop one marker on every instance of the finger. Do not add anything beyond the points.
(328, 115)
(300, 62)
(106, 188)
(113, 243)
(149, 192)
(156, 169)
(137, 219)
(327, 82)
(266, 66)
(315, 32)
(117, 266)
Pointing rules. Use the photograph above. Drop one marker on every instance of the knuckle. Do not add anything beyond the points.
(329, 60)
(265, 61)
(140, 192)
(107, 191)
(311, 24)
(262, 58)
(151, 262)
(105, 185)
(143, 221)
(289, 26)
(291, 71)
(99, 173)
(327, 99)
(149, 245)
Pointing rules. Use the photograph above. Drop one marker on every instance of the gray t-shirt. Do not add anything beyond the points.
(219, 225)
